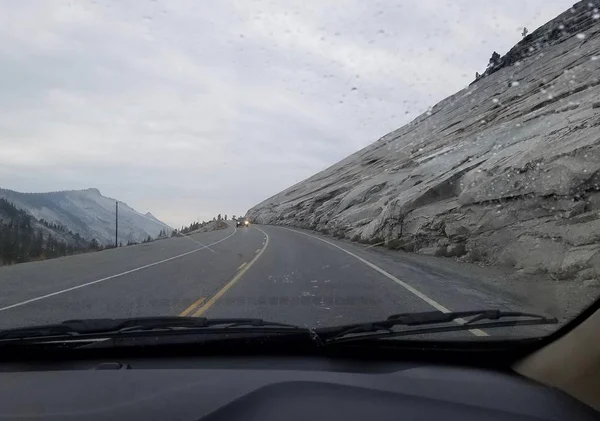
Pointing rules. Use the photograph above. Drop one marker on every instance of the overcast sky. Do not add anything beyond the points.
(191, 108)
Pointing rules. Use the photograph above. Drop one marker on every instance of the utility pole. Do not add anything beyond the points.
(116, 224)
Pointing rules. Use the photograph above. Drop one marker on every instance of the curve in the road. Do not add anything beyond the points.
(411, 289)
(242, 270)
(97, 281)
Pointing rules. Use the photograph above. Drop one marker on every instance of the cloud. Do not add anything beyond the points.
(189, 109)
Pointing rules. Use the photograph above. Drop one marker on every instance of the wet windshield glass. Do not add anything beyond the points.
(310, 163)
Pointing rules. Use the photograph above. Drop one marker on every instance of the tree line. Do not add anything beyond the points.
(21, 241)
(185, 229)
(495, 59)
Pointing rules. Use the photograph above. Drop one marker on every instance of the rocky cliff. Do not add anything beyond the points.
(505, 171)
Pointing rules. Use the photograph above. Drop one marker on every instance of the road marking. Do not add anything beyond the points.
(189, 237)
(257, 251)
(127, 272)
(208, 304)
(431, 302)
(193, 307)
(242, 265)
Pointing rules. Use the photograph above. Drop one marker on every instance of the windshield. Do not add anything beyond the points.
(391, 157)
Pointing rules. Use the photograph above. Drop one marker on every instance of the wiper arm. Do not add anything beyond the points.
(429, 317)
(465, 320)
(111, 326)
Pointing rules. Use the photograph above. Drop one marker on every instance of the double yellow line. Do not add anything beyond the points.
(193, 307)
(199, 307)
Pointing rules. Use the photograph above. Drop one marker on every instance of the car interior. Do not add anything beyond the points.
(549, 378)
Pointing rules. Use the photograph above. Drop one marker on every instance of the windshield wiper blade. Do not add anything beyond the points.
(429, 317)
(465, 320)
(113, 326)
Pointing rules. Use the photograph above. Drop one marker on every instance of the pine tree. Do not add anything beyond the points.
(494, 59)
(37, 245)
(94, 245)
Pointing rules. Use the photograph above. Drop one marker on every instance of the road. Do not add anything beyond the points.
(274, 273)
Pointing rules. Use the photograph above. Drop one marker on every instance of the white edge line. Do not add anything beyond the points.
(32, 300)
(431, 302)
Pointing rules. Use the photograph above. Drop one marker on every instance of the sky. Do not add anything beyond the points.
(190, 108)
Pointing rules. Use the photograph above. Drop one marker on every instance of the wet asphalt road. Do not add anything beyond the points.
(268, 272)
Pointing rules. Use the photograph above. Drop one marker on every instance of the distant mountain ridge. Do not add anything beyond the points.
(88, 213)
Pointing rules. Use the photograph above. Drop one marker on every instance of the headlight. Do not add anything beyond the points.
(247, 222)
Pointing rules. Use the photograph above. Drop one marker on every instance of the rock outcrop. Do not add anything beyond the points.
(506, 171)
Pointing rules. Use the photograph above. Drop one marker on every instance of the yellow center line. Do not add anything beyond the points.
(193, 307)
(207, 305)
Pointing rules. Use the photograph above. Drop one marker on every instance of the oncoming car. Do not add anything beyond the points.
(242, 222)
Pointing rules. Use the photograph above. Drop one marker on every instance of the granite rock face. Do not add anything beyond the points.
(506, 171)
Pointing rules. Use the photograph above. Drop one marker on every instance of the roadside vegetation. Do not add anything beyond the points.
(24, 238)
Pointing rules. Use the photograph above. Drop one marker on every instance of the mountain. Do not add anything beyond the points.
(505, 171)
(23, 238)
(87, 213)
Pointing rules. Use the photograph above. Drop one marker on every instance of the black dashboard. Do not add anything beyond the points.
(286, 388)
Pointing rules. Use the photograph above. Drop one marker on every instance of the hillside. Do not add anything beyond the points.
(23, 238)
(505, 171)
(88, 213)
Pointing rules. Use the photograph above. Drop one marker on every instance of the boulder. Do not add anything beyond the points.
(456, 250)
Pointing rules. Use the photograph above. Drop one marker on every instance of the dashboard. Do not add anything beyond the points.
(268, 389)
